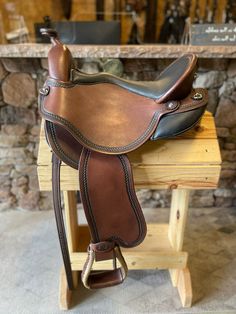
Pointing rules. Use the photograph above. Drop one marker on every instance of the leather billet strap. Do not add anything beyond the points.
(102, 279)
(56, 193)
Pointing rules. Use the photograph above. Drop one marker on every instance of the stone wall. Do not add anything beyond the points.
(20, 124)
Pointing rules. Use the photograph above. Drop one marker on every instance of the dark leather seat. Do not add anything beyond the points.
(151, 89)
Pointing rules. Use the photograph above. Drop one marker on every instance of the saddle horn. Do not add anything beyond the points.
(59, 57)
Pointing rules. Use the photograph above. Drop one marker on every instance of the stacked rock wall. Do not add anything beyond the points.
(20, 125)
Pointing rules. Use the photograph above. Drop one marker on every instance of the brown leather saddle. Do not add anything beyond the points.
(91, 121)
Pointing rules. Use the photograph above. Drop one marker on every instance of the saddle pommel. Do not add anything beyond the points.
(59, 57)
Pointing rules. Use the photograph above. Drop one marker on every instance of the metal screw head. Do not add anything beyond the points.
(197, 96)
(171, 105)
(44, 90)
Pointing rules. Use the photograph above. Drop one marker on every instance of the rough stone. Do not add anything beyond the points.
(8, 204)
(233, 131)
(202, 201)
(13, 140)
(21, 65)
(13, 155)
(228, 173)
(35, 130)
(134, 65)
(212, 100)
(224, 193)
(228, 183)
(5, 193)
(5, 170)
(14, 115)
(156, 195)
(144, 195)
(229, 155)
(44, 63)
(211, 79)
(207, 64)
(230, 146)
(91, 66)
(222, 132)
(223, 202)
(232, 68)
(34, 182)
(19, 90)
(227, 88)
(14, 129)
(113, 66)
(29, 200)
(226, 113)
(3, 72)
(228, 165)
(45, 202)
(5, 180)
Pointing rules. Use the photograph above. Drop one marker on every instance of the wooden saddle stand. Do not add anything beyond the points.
(91, 123)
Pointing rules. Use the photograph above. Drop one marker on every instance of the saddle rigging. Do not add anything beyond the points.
(91, 122)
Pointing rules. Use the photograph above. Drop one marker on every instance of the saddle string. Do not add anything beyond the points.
(56, 194)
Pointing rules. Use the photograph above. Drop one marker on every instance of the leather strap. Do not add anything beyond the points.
(110, 212)
(56, 194)
(102, 279)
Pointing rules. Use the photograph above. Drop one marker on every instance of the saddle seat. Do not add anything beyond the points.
(179, 74)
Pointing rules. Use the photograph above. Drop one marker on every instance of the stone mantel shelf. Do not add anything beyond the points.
(122, 51)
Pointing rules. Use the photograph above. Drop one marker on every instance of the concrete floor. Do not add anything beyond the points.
(30, 261)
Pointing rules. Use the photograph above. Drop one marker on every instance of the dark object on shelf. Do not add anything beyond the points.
(66, 7)
(100, 10)
(150, 25)
(134, 38)
(89, 33)
(91, 122)
(174, 24)
(37, 26)
(135, 5)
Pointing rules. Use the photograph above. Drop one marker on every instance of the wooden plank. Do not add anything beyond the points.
(154, 232)
(65, 295)
(172, 152)
(177, 223)
(184, 287)
(178, 217)
(196, 152)
(137, 260)
(71, 222)
(153, 177)
(154, 252)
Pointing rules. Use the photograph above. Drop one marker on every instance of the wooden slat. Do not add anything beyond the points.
(154, 252)
(137, 260)
(177, 223)
(162, 152)
(177, 152)
(159, 177)
(154, 232)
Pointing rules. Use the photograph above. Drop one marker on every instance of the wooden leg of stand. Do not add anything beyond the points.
(177, 222)
(71, 220)
(184, 287)
(65, 295)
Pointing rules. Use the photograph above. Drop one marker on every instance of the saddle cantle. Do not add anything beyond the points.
(91, 121)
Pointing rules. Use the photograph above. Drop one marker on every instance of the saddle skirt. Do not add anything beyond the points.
(91, 121)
